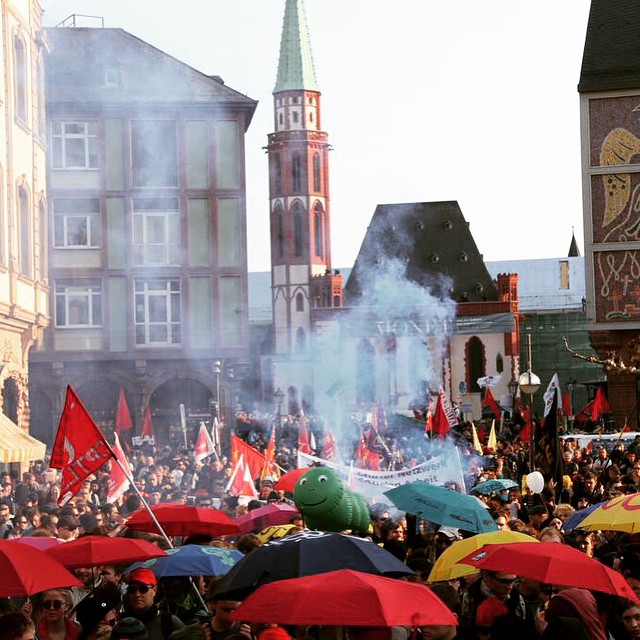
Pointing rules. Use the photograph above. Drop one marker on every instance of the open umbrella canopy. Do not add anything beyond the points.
(574, 521)
(448, 567)
(442, 506)
(24, 570)
(184, 520)
(618, 514)
(192, 560)
(288, 480)
(92, 551)
(275, 531)
(271, 514)
(551, 563)
(345, 598)
(42, 543)
(493, 486)
(305, 554)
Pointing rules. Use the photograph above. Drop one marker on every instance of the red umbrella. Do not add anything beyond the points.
(184, 520)
(289, 479)
(42, 543)
(551, 563)
(91, 551)
(345, 598)
(25, 570)
(258, 519)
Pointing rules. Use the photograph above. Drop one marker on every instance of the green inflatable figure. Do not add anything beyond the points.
(326, 505)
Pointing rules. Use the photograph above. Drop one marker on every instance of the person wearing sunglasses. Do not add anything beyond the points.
(55, 622)
(139, 602)
(96, 617)
(492, 584)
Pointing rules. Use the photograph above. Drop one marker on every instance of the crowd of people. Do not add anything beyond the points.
(137, 605)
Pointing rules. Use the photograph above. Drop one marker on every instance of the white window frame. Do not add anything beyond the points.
(64, 219)
(152, 296)
(149, 250)
(70, 293)
(60, 138)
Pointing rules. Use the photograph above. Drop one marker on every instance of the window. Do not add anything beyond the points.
(299, 302)
(317, 183)
(297, 228)
(296, 173)
(78, 303)
(280, 231)
(40, 93)
(25, 227)
(42, 226)
(156, 232)
(157, 315)
(20, 78)
(318, 230)
(154, 153)
(295, 116)
(564, 274)
(277, 175)
(74, 145)
(76, 223)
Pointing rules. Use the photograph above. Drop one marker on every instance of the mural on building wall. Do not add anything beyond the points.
(615, 141)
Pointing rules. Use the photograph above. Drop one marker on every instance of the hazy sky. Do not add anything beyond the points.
(423, 100)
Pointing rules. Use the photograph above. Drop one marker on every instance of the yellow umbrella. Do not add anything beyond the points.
(492, 442)
(620, 514)
(476, 441)
(446, 567)
(274, 531)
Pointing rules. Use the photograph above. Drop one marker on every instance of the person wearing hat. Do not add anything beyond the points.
(266, 487)
(139, 602)
(96, 617)
(129, 629)
(68, 528)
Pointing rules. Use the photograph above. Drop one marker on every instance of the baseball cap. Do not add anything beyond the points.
(90, 611)
(142, 575)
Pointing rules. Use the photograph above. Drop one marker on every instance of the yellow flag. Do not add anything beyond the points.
(476, 442)
(492, 443)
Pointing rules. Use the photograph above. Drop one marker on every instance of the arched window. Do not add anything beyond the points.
(40, 96)
(317, 183)
(299, 302)
(297, 228)
(296, 173)
(42, 224)
(277, 174)
(301, 340)
(499, 363)
(24, 230)
(318, 230)
(20, 77)
(366, 373)
(279, 231)
(475, 363)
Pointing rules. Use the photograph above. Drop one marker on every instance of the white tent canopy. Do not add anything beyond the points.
(17, 445)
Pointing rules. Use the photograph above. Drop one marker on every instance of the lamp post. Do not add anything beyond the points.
(529, 383)
(278, 396)
(512, 385)
(217, 370)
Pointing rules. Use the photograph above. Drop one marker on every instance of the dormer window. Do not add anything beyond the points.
(111, 77)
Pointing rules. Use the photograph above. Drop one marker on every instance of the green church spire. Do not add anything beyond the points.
(295, 68)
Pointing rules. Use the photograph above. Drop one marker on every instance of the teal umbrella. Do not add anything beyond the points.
(442, 506)
(494, 486)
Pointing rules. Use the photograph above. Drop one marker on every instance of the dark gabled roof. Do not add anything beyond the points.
(81, 57)
(433, 243)
(574, 252)
(611, 59)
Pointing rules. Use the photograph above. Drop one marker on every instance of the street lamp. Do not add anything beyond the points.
(278, 396)
(217, 370)
(529, 383)
(512, 385)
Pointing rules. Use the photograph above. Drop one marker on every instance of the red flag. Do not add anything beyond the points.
(303, 435)
(147, 427)
(80, 448)
(526, 431)
(123, 418)
(268, 468)
(253, 458)
(567, 409)
(490, 402)
(428, 425)
(241, 482)
(600, 404)
(440, 425)
(204, 445)
(118, 481)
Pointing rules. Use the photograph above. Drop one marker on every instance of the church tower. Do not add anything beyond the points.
(301, 275)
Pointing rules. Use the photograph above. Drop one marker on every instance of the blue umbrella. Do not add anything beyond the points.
(442, 506)
(192, 560)
(494, 486)
(576, 518)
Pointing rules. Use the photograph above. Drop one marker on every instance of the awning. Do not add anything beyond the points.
(17, 445)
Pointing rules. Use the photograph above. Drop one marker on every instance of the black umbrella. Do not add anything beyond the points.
(305, 554)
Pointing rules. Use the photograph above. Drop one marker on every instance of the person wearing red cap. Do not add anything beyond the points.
(488, 610)
(139, 602)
